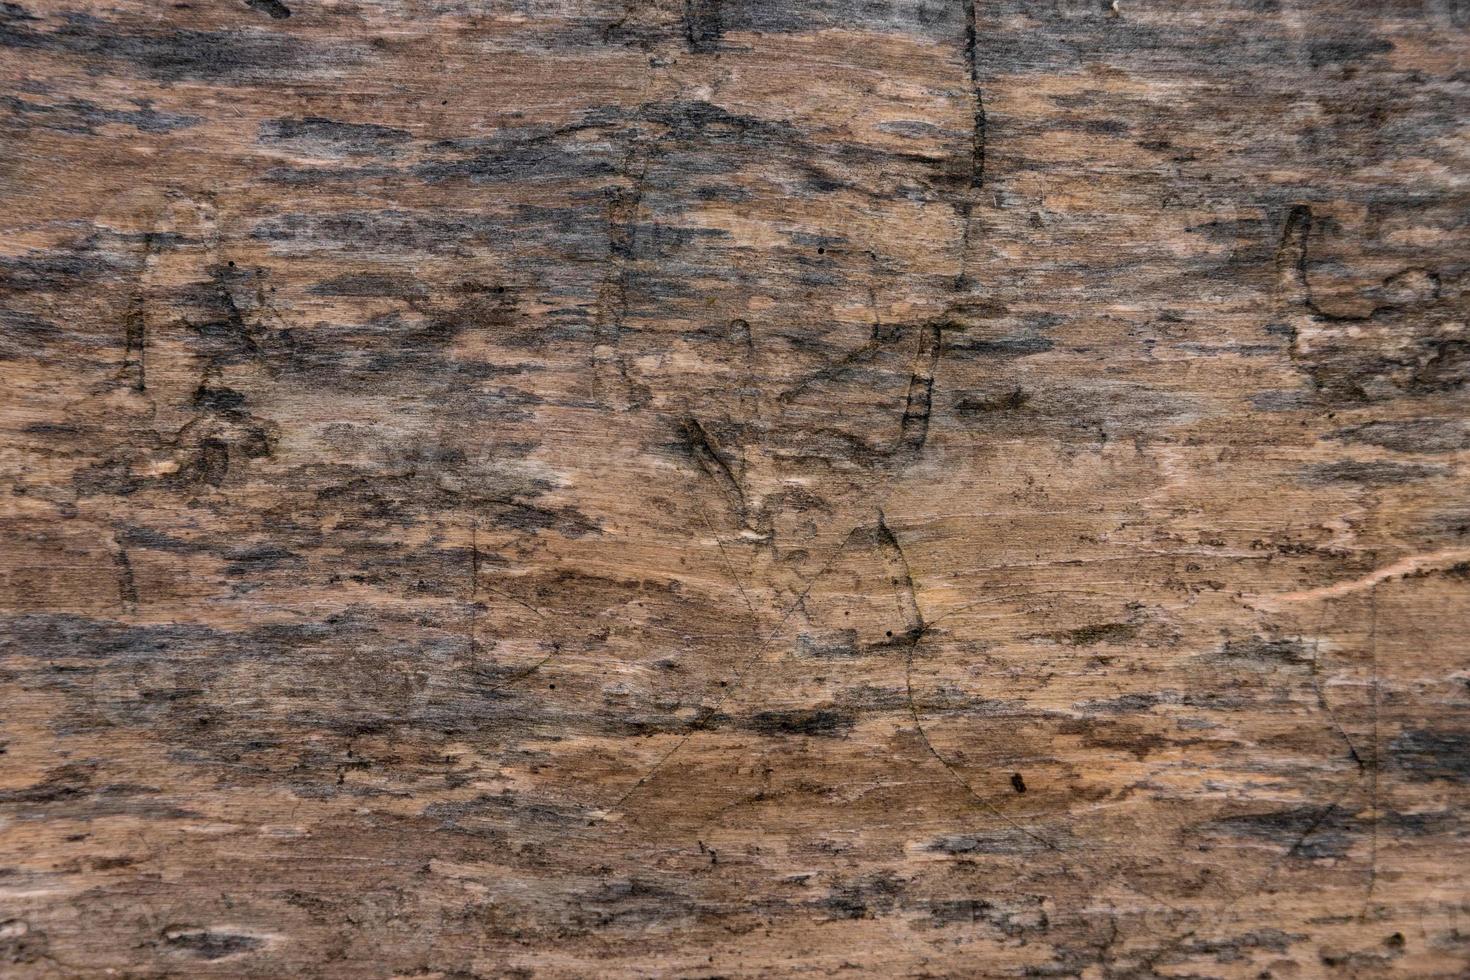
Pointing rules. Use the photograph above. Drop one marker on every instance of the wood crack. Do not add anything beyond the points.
(918, 405)
(977, 130)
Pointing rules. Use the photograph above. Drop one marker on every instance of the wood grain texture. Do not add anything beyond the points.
(734, 488)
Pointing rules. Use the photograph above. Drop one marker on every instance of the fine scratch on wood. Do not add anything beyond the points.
(474, 586)
(729, 566)
(1412, 565)
(730, 686)
(1321, 693)
(914, 634)
(615, 385)
(1374, 763)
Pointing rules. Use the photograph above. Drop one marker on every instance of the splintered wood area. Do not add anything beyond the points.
(734, 488)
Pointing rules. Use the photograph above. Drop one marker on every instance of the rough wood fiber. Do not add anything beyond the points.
(734, 488)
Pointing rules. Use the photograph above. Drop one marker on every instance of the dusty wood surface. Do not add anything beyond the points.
(734, 488)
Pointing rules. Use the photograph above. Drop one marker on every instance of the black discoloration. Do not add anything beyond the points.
(1266, 651)
(316, 133)
(1338, 50)
(1012, 916)
(1001, 841)
(1423, 435)
(702, 25)
(834, 647)
(812, 722)
(1311, 832)
(371, 284)
(1236, 948)
(63, 783)
(1012, 401)
(1429, 753)
(523, 157)
(1020, 344)
(256, 560)
(1089, 635)
(1125, 704)
(864, 897)
(226, 401)
(231, 57)
(386, 513)
(209, 465)
(127, 586)
(24, 334)
(1371, 474)
(83, 116)
(209, 944)
(276, 9)
(387, 230)
(972, 65)
(59, 270)
(933, 21)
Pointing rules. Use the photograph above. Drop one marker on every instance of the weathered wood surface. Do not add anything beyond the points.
(734, 488)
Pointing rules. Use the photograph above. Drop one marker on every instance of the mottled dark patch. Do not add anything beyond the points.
(330, 136)
(1011, 916)
(1238, 948)
(1126, 703)
(24, 334)
(1005, 840)
(864, 897)
(1011, 401)
(1370, 474)
(1422, 435)
(937, 21)
(835, 646)
(1019, 344)
(274, 8)
(1285, 400)
(58, 270)
(816, 722)
(1094, 633)
(507, 811)
(1265, 650)
(69, 636)
(702, 27)
(239, 56)
(371, 284)
(1345, 49)
(1432, 753)
(1310, 832)
(208, 944)
(84, 117)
